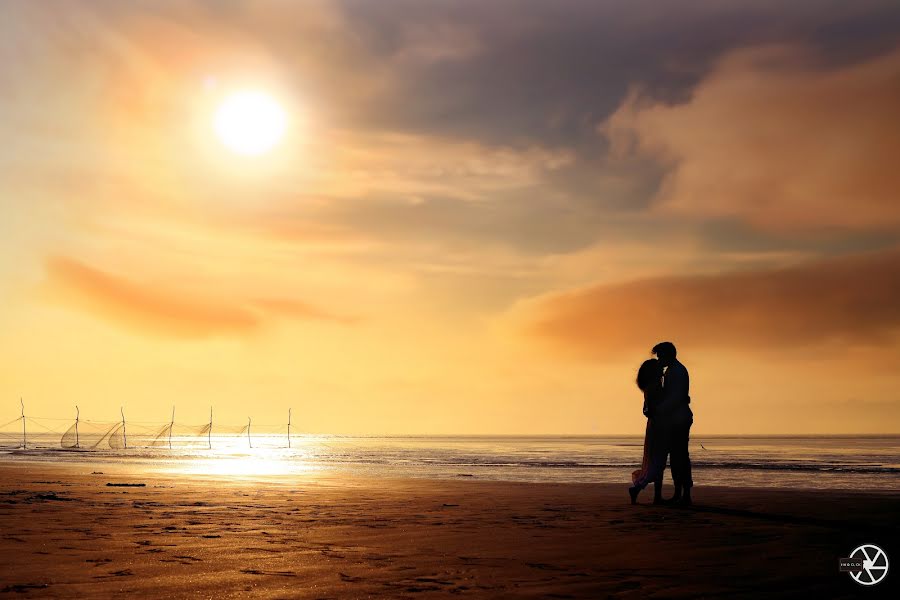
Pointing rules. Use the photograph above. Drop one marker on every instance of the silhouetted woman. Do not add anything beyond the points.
(649, 380)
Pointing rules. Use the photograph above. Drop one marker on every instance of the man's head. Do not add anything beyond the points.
(665, 352)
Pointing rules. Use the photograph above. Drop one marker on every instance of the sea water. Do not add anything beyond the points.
(825, 462)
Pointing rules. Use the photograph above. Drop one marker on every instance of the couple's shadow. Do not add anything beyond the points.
(775, 517)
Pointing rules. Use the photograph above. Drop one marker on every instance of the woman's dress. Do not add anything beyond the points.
(653, 463)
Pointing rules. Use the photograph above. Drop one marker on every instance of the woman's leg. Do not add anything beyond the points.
(657, 467)
(654, 463)
(639, 477)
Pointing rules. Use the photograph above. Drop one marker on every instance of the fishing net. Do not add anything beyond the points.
(40, 432)
(93, 435)
(181, 434)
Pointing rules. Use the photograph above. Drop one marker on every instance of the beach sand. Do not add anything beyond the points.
(65, 533)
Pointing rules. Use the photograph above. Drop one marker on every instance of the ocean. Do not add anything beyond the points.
(818, 462)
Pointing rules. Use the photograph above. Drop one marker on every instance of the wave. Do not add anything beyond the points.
(746, 466)
(333, 456)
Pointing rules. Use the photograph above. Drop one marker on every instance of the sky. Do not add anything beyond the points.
(481, 218)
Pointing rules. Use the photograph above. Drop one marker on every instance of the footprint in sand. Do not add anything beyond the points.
(259, 572)
(24, 588)
(120, 573)
(545, 567)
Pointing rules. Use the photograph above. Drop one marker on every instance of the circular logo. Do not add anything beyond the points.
(875, 564)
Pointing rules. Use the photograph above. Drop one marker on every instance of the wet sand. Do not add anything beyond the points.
(65, 533)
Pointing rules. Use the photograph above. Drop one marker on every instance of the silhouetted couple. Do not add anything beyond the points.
(666, 388)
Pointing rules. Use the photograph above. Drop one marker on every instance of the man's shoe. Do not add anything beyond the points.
(675, 499)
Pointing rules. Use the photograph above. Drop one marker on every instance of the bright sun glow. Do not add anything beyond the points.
(250, 123)
(262, 465)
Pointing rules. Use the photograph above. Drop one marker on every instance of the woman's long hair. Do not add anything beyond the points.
(649, 376)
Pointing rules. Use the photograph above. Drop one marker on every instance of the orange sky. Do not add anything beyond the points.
(481, 219)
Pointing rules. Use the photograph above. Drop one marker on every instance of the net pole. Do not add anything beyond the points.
(249, 441)
(209, 433)
(24, 438)
(77, 415)
(289, 428)
(171, 425)
(124, 436)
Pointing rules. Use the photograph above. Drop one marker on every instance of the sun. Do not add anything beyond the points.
(250, 122)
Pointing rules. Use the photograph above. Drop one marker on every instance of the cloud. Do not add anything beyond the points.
(848, 300)
(412, 167)
(775, 138)
(164, 311)
(549, 71)
(300, 310)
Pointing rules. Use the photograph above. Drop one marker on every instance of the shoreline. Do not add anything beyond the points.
(880, 480)
(339, 475)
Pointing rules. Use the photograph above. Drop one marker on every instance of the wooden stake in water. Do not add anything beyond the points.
(171, 426)
(77, 415)
(249, 441)
(24, 439)
(124, 436)
(209, 433)
(289, 428)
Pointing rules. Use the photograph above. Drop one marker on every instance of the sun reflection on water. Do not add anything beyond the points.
(262, 462)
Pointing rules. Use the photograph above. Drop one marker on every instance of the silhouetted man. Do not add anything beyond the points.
(676, 406)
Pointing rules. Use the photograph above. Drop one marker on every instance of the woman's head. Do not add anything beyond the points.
(649, 375)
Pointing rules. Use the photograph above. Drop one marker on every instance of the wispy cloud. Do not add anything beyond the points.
(164, 310)
(850, 300)
(298, 309)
